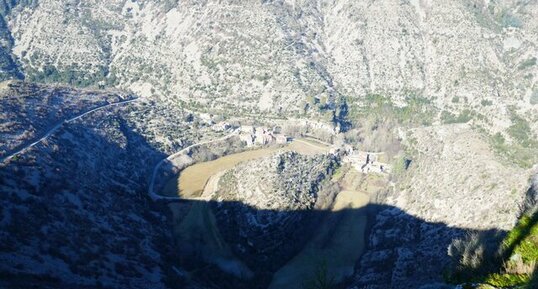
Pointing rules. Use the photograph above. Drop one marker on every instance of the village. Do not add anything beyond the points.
(363, 161)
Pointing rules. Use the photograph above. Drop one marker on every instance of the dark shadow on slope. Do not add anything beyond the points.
(75, 213)
(534, 281)
(402, 252)
(506, 260)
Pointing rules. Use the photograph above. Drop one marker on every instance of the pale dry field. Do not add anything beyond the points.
(193, 179)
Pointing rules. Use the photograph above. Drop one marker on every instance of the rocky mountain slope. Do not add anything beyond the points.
(75, 211)
(262, 213)
(286, 181)
(288, 57)
(447, 88)
(29, 111)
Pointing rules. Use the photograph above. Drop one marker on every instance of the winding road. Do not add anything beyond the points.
(151, 189)
(58, 125)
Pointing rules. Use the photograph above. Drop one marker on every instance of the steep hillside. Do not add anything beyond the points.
(96, 93)
(509, 262)
(75, 210)
(290, 57)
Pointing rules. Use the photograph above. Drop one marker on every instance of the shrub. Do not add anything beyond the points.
(465, 116)
(320, 279)
(475, 255)
(401, 164)
(509, 20)
(520, 131)
(527, 63)
(513, 265)
(524, 157)
(486, 102)
(507, 280)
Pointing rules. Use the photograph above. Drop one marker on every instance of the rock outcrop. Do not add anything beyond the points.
(265, 207)
(454, 186)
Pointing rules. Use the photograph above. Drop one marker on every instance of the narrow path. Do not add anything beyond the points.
(312, 138)
(151, 189)
(58, 125)
(311, 142)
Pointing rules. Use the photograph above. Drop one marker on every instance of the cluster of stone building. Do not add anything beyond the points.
(362, 161)
(253, 135)
(367, 162)
(262, 135)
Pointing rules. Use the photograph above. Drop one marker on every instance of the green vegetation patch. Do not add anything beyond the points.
(523, 151)
(465, 116)
(71, 75)
(486, 102)
(418, 111)
(527, 63)
(520, 131)
(514, 153)
(524, 239)
(507, 19)
(505, 280)
(401, 163)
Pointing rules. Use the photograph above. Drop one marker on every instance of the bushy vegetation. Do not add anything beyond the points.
(7, 5)
(374, 121)
(527, 63)
(417, 111)
(210, 152)
(512, 265)
(401, 164)
(465, 116)
(520, 131)
(8, 67)
(72, 75)
(509, 20)
(514, 153)
(523, 150)
(486, 102)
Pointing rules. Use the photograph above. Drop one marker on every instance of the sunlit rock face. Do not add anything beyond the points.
(284, 182)
(285, 57)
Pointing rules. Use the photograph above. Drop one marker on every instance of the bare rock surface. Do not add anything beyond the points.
(288, 57)
(459, 180)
